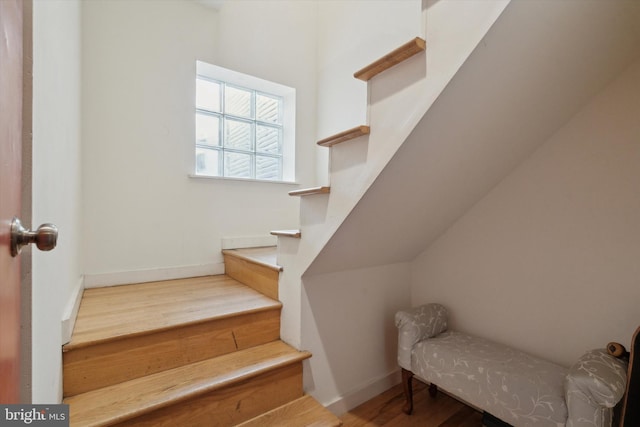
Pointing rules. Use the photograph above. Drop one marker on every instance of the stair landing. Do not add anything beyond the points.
(109, 313)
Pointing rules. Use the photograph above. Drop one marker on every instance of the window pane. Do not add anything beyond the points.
(268, 139)
(237, 102)
(207, 162)
(268, 168)
(240, 126)
(207, 130)
(237, 165)
(207, 95)
(238, 135)
(268, 109)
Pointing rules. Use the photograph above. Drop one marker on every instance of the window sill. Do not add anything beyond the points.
(223, 178)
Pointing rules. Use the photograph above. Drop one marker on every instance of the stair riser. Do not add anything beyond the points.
(232, 405)
(258, 277)
(101, 365)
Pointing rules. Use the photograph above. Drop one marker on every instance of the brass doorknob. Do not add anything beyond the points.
(45, 237)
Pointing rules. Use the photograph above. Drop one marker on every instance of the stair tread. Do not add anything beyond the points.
(310, 191)
(346, 135)
(395, 57)
(126, 400)
(287, 233)
(265, 256)
(302, 412)
(124, 311)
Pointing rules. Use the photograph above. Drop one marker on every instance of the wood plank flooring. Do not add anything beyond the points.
(161, 305)
(305, 411)
(140, 396)
(386, 410)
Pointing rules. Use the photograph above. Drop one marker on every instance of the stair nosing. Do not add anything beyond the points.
(310, 191)
(414, 46)
(226, 379)
(346, 135)
(287, 233)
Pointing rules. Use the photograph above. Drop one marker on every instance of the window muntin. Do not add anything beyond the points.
(240, 131)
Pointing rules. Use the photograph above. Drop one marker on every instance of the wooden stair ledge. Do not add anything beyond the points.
(255, 267)
(310, 191)
(346, 135)
(188, 393)
(303, 412)
(264, 256)
(395, 57)
(296, 234)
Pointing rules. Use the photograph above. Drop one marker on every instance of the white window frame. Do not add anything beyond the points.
(288, 96)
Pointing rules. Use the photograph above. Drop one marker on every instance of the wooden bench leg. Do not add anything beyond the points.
(433, 390)
(407, 377)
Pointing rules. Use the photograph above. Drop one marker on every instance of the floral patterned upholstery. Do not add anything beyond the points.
(514, 386)
(595, 384)
(416, 325)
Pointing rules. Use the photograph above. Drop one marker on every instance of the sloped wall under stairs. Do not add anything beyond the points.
(356, 356)
(538, 65)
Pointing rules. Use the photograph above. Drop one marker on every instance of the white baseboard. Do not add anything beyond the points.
(71, 311)
(248, 242)
(151, 275)
(368, 391)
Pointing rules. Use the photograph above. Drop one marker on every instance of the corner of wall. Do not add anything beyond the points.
(70, 312)
(362, 394)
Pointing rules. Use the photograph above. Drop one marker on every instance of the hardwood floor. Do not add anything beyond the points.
(129, 310)
(386, 410)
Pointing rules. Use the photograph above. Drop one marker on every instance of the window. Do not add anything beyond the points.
(245, 126)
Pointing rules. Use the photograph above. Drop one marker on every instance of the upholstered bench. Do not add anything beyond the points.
(511, 385)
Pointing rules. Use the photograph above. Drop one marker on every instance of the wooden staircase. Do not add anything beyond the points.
(413, 47)
(202, 351)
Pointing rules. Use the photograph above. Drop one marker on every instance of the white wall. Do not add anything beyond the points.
(346, 315)
(142, 211)
(56, 190)
(351, 35)
(348, 325)
(548, 260)
(481, 126)
(276, 40)
(281, 46)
